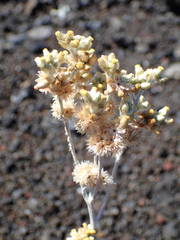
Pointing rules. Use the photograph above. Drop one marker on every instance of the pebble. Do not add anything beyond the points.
(176, 52)
(17, 193)
(62, 12)
(15, 145)
(22, 230)
(83, 3)
(43, 20)
(9, 120)
(116, 23)
(23, 94)
(11, 167)
(40, 33)
(27, 212)
(169, 231)
(32, 203)
(45, 235)
(112, 211)
(16, 39)
(142, 48)
(173, 71)
(168, 166)
(93, 25)
(5, 46)
(160, 219)
(30, 6)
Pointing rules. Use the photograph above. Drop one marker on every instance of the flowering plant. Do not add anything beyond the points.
(108, 106)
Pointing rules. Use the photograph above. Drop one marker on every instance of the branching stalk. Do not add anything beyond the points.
(109, 188)
(68, 134)
(88, 197)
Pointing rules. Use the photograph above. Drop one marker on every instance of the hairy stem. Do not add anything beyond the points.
(70, 141)
(109, 188)
(91, 214)
(89, 198)
(68, 134)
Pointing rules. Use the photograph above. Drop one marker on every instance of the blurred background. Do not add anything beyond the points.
(38, 199)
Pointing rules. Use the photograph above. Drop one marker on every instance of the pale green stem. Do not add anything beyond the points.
(88, 197)
(109, 188)
(68, 134)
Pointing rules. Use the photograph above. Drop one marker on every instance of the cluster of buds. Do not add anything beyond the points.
(85, 232)
(143, 79)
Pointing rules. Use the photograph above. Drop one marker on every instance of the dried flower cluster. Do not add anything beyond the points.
(110, 103)
(108, 106)
(90, 174)
(83, 233)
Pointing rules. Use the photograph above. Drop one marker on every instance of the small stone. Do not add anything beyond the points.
(112, 211)
(173, 71)
(43, 20)
(23, 94)
(15, 144)
(27, 212)
(160, 219)
(109, 221)
(93, 25)
(40, 33)
(45, 235)
(16, 39)
(142, 48)
(169, 231)
(17, 193)
(30, 6)
(61, 12)
(168, 166)
(116, 23)
(9, 120)
(32, 203)
(11, 167)
(83, 3)
(126, 236)
(141, 202)
(176, 52)
(22, 230)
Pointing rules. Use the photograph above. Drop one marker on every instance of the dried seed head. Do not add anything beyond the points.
(88, 173)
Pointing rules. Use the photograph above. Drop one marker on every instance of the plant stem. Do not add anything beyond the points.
(70, 142)
(91, 213)
(68, 134)
(109, 188)
(89, 198)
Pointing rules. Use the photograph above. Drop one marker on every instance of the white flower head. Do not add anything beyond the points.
(88, 173)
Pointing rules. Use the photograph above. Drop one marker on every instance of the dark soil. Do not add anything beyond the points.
(38, 199)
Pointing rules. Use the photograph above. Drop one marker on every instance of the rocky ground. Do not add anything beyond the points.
(38, 200)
